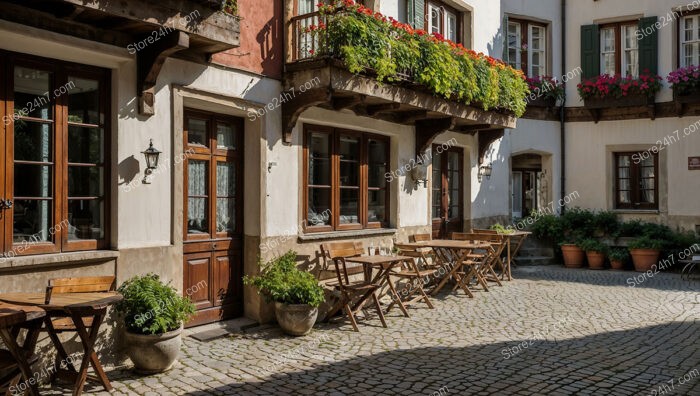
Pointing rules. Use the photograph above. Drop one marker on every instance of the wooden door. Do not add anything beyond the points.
(448, 191)
(213, 216)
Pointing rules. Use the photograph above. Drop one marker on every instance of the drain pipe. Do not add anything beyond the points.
(562, 110)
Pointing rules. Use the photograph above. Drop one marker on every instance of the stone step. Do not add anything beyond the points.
(535, 260)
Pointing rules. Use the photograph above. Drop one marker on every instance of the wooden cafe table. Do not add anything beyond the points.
(383, 265)
(515, 238)
(451, 254)
(12, 318)
(77, 306)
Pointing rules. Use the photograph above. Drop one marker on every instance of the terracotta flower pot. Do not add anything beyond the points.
(573, 256)
(596, 260)
(617, 264)
(644, 259)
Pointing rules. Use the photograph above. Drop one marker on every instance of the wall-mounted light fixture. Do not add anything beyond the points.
(419, 174)
(151, 155)
(485, 171)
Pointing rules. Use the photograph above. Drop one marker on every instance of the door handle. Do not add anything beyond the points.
(6, 204)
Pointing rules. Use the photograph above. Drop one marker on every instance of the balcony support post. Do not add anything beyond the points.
(292, 109)
(428, 130)
(150, 61)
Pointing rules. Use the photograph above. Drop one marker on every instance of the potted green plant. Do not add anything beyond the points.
(572, 253)
(618, 257)
(685, 83)
(545, 91)
(595, 253)
(296, 293)
(153, 314)
(645, 253)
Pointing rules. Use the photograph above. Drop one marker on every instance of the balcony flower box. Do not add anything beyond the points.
(544, 92)
(685, 83)
(607, 92)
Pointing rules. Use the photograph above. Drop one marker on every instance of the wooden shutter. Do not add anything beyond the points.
(648, 45)
(416, 13)
(506, 57)
(590, 51)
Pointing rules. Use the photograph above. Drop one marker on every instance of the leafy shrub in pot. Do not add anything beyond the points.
(618, 258)
(296, 293)
(595, 252)
(573, 255)
(154, 314)
(645, 253)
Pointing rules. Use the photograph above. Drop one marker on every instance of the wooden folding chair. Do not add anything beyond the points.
(476, 264)
(498, 243)
(412, 272)
(425, 256)
(59, 323)
(351, 290)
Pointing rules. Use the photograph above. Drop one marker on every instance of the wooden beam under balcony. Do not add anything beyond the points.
(383, 101)
(149, 63)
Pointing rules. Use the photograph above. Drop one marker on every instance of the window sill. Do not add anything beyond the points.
(320, 236)
(637, 211)
(57, 259)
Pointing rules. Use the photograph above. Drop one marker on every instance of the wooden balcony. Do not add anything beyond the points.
(152, 30)
(315, 79)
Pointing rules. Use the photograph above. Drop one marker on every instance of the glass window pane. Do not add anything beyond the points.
(86, 219)
(225, 137)
(451, 28)
(85, 181)
(625, 197)
(377, 163)
(32, 93)
(225, 179)
(85, 145)
(376, 207)
(32, 220)
(434, 19)
(319, 159)
(35, 181)
(197, 176)
(349, 208)
(197, 132)
(33, 141)
(83, 100)
(197, 217)
(225, 214)
(624, 160)
(319, 206)
(349, 161)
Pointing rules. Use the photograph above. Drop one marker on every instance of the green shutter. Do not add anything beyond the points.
(648, 35)
(590, 51)
(416, 13)
(505, 58)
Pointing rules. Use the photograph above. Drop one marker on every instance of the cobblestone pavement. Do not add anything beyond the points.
(552, 331)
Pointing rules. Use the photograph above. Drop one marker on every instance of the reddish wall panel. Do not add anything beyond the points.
(262, 39)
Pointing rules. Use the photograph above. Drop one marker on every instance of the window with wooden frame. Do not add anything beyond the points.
(444, 20)
(619, 49)
(56, 154)
(213, 172)
(689, 39)
(345, 186)
(636, 181)
(527, 46)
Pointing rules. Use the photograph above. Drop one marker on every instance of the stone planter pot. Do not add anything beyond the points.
(573, 256)
(617, 264)
(153, 354)
(644, 259)
(596, 260)
(296, 319)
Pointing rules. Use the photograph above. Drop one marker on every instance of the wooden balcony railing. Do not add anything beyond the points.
(306, 44)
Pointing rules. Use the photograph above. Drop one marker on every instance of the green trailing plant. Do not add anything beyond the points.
(618, 254)
(370, 43)
(230, 7)
(645, 242)
(151, 306)
(281, 281)
(577, 220)
(606, 222)
(592, 245)
(498, 227)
